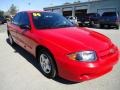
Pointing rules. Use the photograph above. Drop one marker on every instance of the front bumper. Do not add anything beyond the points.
(81, 71)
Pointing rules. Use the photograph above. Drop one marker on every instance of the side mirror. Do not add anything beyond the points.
(25, 27)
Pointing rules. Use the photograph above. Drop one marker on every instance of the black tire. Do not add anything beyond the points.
(109, 26)
(2, 22)
(101, 26)
(53, 71)
(92, 23)
(11, 41)
(117, 26)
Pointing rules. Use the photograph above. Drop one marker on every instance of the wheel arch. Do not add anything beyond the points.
(40, 47)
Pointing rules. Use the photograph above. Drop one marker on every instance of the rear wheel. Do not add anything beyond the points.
(47, 65)
(11, 40)
(101, 26)
(117, 26)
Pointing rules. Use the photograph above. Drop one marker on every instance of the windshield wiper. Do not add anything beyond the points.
(63, 25)
(46, 27)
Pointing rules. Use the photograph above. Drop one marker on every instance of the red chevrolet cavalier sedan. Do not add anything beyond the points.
(61, 48)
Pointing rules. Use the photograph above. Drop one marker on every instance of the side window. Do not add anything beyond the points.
(24, 20)
(16, 19)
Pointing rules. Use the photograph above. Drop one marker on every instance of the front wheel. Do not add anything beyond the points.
(47, 64)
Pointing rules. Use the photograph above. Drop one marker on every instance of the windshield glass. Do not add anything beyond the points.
(46, 20)
(109, 14)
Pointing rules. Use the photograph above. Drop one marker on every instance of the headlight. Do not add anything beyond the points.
(86, 56)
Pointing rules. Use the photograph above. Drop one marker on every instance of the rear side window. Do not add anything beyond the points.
(109, 14)
(24, 19)
(16, 19)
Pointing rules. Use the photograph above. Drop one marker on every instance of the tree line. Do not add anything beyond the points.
(11, 11)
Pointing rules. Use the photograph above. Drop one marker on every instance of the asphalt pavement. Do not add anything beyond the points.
(19, 70)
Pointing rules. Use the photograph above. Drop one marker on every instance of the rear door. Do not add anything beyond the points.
(14, 26)
(26, 35)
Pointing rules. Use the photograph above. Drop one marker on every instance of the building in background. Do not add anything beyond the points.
(81, 8)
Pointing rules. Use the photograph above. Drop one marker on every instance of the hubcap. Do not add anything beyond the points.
(10, 38)
(45, 63)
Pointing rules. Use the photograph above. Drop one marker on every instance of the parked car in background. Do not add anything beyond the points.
(2, 20)
(89, 19)
(72, 19)
(81, 20)
(73, 53)
(92, 18)
(110, 19)
(8, 18)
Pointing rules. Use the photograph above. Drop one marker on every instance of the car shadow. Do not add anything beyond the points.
(31, 59)
(103, 28)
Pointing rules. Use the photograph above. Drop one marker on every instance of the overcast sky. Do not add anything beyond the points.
(32, 4)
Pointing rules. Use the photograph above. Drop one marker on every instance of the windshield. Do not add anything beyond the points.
(109, 14)
(46, 20)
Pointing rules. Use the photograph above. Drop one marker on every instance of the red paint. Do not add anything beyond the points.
(63, 41)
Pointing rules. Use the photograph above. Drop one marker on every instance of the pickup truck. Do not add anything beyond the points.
(110, 19)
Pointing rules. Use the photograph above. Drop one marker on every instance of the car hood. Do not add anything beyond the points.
(76, 39)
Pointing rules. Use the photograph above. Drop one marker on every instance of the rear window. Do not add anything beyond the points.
(109, 14)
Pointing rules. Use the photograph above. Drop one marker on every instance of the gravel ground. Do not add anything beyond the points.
(19, 71)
